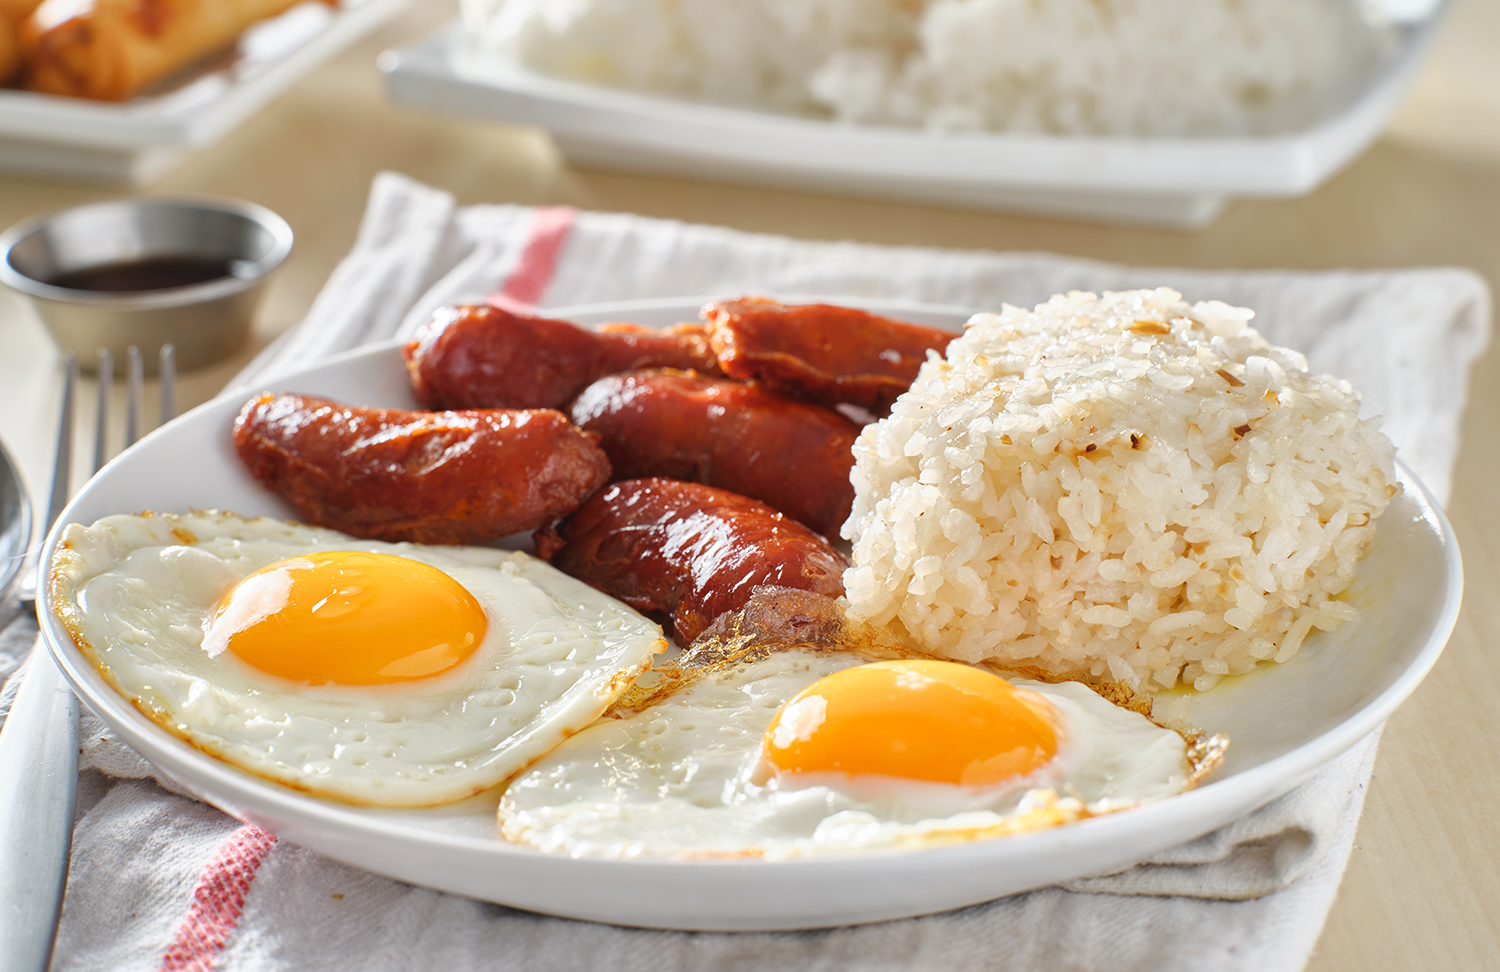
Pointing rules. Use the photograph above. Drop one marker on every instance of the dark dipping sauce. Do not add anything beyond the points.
(156, 273)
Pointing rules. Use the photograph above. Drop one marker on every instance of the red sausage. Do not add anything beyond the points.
(820, 352)
(429, 477)
(478, 356)
(793, 455)
(688, 550)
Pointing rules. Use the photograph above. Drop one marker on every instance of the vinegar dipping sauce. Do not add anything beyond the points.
(153, 273)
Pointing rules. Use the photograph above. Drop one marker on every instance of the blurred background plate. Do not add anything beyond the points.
(135, 141)
(1179, 182)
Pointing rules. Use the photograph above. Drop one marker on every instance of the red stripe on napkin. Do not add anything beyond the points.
(524, 288)
(217, 901)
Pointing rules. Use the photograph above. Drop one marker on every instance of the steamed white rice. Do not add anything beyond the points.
(1126, 485)
(1137, 67)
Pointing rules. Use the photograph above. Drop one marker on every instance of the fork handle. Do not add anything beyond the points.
(38, 786)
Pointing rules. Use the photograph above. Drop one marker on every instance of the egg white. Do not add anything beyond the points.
(684, 777)
(134, 592)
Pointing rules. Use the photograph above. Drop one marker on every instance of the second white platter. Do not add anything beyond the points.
(1177, 182)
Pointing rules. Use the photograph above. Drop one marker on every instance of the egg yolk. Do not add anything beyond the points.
(348, 617)
(934, 721)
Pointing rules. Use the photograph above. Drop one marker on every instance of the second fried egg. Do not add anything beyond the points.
(808, 752)
(371, 672)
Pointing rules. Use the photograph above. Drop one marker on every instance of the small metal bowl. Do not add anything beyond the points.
(205, 321)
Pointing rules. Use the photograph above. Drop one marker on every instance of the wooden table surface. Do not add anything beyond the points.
(1423, 887)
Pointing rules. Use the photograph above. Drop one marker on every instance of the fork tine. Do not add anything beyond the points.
(168, 371)
(135, 399)
(106, 372)
(62, 465)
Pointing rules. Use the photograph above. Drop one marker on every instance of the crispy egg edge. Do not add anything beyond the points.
(1204, 751)
(60, 588)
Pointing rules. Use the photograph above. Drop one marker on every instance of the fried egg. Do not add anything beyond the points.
(802, 752)
(370, 672)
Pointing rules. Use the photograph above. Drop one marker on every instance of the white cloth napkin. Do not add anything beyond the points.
(160, 881)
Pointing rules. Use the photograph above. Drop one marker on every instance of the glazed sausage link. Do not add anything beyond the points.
(793, 455)
(478, 356)
(821, 352)
(691, 551)
(428, 477)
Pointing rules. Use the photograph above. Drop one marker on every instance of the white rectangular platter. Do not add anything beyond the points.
(1179, 182)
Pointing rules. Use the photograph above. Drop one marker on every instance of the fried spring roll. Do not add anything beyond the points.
(10, 55)
(12, 13)
(111, 49)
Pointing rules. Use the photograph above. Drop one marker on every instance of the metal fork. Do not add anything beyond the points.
(39, 743)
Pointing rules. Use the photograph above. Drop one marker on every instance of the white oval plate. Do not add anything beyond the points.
(1284, 721)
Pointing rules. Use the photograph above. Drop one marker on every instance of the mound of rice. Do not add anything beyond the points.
(1126, 485)
(1127, 67)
